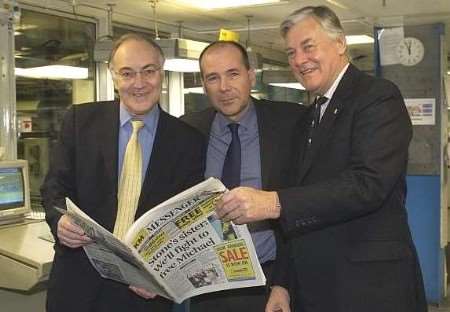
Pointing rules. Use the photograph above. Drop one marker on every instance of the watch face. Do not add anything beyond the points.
(410, 51)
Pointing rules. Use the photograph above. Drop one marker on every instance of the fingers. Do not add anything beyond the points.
(227, 208)
(277, 307)
(142, 292)
(244, 204)
(278, 301)
(70, 234)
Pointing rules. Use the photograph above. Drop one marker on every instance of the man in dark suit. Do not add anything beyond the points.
(350, 246)
(264, 131)
(88, 165)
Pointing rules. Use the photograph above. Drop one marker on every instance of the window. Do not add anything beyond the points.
(43, 42)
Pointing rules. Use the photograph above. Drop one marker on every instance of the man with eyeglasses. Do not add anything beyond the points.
(88, 166)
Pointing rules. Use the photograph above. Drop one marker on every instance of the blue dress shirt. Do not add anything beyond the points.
(219, 140)
(146, 136)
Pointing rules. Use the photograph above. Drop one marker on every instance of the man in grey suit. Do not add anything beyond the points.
(87, 163)
(350, 247)
(265, 132)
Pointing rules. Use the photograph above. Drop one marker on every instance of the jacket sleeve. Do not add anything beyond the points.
(60, 180)
(283, 269)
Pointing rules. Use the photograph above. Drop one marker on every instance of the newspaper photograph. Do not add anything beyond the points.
(179, 249)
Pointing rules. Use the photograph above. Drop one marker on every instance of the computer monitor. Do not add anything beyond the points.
(14, 191)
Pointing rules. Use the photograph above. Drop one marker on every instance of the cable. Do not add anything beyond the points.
(153, 4)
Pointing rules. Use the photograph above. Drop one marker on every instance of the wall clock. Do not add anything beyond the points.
(410, 51)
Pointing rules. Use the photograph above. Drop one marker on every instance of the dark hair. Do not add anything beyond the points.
(221, 44)
(322, 14)
(135, 37)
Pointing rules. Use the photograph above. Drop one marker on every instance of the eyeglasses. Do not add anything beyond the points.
(129, 75)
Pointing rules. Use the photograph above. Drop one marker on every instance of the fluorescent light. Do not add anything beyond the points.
(182, 65)
(338, 4)
(358, 39)
(196, 90)
(222, 4)
(291, 85)
(53, 72)
(181, 54)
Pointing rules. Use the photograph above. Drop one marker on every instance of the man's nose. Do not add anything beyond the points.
(224, 84)
(139, 79)
(298, 58)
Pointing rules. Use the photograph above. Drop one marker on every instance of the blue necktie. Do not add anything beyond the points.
(231, 172)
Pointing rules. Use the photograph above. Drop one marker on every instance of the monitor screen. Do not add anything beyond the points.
(11, 188)
(14, 191)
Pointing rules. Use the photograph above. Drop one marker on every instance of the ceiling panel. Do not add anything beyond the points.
(357, 16)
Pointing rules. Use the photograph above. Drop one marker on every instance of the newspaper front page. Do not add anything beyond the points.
(179, 249)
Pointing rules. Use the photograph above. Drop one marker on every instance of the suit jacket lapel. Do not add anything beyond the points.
(267, 141)
(303, 132)
(109, 137)
(323, 132)
(157, 158)
(204, 124)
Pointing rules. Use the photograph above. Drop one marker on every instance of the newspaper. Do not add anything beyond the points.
(178, 250)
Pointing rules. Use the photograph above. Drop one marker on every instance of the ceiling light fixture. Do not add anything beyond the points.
(182, 65)
(281, 78)
(181, 54)
(223, 4)
(358, 39)
(193, 90)
(54, 72)
(290, 85)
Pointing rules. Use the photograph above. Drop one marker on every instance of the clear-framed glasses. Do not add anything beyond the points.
(129, 74)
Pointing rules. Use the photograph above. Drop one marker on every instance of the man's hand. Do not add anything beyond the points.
(142, 292)
(70, 234)
(279, 300)
(244, 204)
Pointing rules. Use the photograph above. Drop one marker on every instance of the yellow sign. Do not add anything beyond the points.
(236, 261)
(228, 35)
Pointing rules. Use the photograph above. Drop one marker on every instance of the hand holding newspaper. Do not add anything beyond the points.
(178, 250)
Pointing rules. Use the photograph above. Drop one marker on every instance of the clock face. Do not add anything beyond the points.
(410, 51)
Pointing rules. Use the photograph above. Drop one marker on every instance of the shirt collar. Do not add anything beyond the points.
(150, 119)
(245, 122)
(332, 89)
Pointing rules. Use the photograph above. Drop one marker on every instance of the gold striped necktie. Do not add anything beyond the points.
(129, 183)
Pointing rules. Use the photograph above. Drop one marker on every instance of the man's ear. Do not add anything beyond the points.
(112, 77)
(115, 84)
(341, 45)
(252, 76)
(203, 86)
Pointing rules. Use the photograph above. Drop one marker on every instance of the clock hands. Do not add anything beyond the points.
(410, 51)
(408, 46)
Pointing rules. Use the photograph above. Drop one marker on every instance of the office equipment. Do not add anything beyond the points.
(14, 191)
(25, 257)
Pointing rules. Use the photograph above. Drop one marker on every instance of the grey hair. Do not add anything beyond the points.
(135, 37)
(322, 14)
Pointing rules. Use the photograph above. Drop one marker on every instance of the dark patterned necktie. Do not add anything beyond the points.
(231, 172)
(318, 102)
